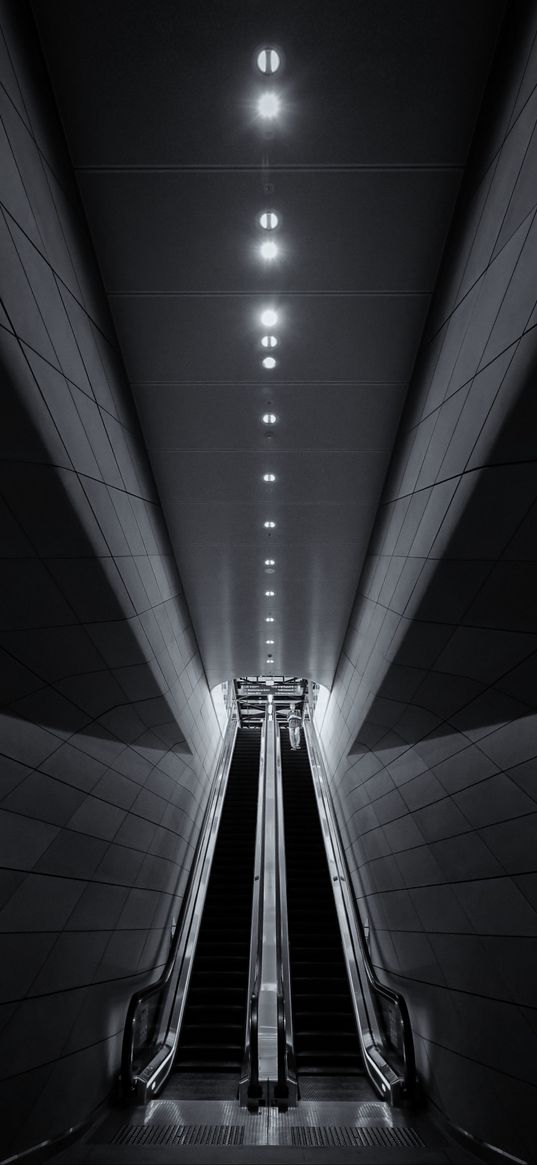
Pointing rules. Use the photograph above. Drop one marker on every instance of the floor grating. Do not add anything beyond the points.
(347, 1136)
(154, 1134)
(277, 1131)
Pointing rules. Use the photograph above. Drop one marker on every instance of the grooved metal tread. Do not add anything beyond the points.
(154, 1134)
(325, 1136)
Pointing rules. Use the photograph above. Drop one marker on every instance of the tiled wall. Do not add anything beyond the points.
(431, 729)
(108, 734)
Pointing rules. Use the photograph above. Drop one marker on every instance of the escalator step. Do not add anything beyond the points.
(212, 1035)
(326, 1040)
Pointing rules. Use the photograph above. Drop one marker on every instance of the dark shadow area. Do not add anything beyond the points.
(71, 633)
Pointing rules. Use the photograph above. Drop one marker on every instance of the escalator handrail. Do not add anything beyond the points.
(163, 982)
(287, 1083)
(378, 988)
(249, 1087)
(253, 1076)
(282, 1082)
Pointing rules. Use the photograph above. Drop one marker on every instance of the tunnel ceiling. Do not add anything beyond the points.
(363, 165)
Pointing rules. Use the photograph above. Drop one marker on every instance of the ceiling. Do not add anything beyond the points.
(363, 164)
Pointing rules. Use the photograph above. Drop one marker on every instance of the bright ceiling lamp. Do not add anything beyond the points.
(269, 342)
(269, 642)
(269, 619)
(268, 106)
(268, 220)
(269, 525)
(268, 362)
(269, 477)
(269, 318)
(268, 251)
(268, 61)
(269, 418)
(270, 562)
(270, 594)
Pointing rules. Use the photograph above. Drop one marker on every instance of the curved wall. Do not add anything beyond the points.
(431, 729)
(108, 733)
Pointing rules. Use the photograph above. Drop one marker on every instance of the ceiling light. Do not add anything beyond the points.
(268, 106)
(268, 220)
(269, 418)
(268, 61)
(268, 362)
(269, 619)
(269, 642)
(269, 477)
(270, 594)
(270, 660)
(269, 525)
(268, 250)
(269, 318)
(269, 342)
(270, 562)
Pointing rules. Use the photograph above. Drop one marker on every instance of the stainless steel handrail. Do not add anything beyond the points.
(391, 1071)
(250, 1089)
(287, 1087)
(172, 985)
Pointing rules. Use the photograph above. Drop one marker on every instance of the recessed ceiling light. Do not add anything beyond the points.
(269, 418)
(268, 106)
(269, 477)
(268, 250)
(269, 220)
(269, 317)
(268, 362)
(269, 642)
(269, 342)
(268, 61)
(270, 594)
(269, 619)
(269, 525)
(270, 562)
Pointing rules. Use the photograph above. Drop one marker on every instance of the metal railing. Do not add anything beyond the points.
(287, 1087)
(250, 1089)
(155, 1013)
(382, 1015)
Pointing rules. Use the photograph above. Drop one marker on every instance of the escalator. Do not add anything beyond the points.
(326, 1038)
(212, 1033)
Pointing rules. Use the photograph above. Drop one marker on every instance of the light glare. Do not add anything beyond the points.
(269, 477)
(268, 362)
(269, 318)
(269, 525)
(270, 594)
(269, 418)
(270, 562)
(269, 342)
(268, 251)
(268, 106)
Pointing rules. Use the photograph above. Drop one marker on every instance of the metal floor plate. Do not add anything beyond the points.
(172, 1131)
(312, 1124)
